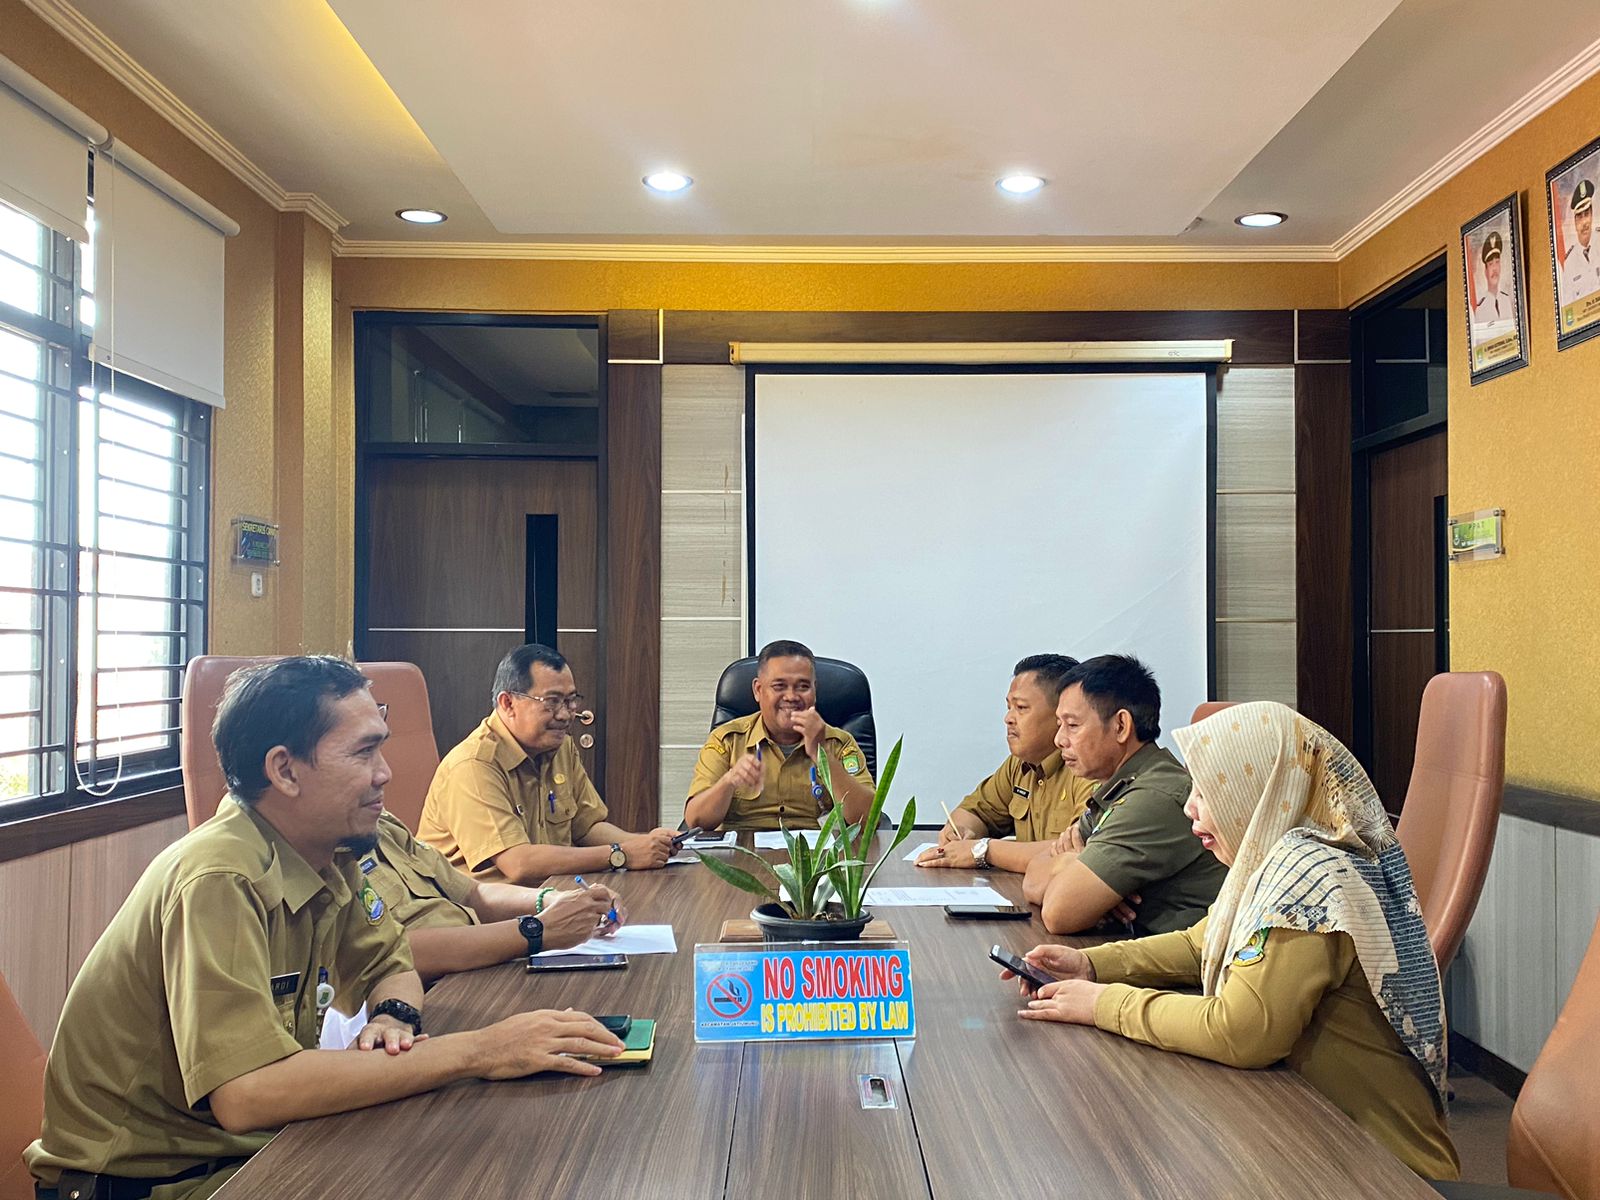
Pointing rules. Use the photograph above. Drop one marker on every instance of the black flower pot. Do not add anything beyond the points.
(778, 926)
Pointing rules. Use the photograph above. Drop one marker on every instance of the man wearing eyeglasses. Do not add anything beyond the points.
(512, 802)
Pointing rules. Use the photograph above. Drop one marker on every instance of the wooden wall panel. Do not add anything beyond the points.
(104, 870)
(1255, 557)
(1322, 335)
(632, 654)
(1255, 430)
(1577, 904)
(34, 895)
(1322, 546)
(633, 333)
(1264, 336)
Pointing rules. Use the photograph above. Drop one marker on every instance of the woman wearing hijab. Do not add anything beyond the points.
(1314, 953)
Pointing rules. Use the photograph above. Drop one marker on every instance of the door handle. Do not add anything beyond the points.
(586, 717)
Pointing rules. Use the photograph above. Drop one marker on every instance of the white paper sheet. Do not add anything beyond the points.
(630, 939)
(772, 839)
(916, 853)
(929, 897)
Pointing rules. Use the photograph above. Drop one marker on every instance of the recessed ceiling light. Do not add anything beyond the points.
(666, 181)
(1019, 185)
(421, 216)
(1260, 220)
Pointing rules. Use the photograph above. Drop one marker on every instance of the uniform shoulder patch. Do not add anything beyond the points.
(851, 763)
(1252, 951)
(372, 903)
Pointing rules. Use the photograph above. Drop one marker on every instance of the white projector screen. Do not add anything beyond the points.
(936, 528)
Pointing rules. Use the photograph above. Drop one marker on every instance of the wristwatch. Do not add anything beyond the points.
(533, 929)
(980, 853)
(400, 1011)
(618, 858)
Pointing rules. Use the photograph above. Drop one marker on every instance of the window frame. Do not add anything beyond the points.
(68, 780)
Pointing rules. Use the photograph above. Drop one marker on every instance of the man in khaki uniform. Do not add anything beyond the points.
(456, 923)
(1031, 797)
(512, 801)
(184, 1041)
(760, 771)
(1132, 855)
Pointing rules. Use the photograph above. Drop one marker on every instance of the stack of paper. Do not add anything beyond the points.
(928, 897)
(630, 939)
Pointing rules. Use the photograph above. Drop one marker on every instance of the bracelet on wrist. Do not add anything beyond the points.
(538, 900)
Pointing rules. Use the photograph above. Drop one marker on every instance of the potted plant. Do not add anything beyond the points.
(818, 893)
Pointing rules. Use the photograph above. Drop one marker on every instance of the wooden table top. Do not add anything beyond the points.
(987, 1104)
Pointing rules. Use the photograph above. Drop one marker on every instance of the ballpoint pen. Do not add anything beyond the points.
(611, 917)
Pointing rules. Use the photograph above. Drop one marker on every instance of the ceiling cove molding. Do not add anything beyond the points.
(86, 36)
(644, 252)
(1554, 88)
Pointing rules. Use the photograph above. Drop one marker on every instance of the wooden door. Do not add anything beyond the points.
(1406, 642)
(446, 580)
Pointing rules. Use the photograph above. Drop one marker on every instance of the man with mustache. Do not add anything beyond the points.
(189, 1035)
(761, 771)
(512, 801)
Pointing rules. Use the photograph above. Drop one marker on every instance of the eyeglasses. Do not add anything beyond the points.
(383, 712)
(555, 702)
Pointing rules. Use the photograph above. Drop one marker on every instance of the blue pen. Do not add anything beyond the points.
(552, 801)
(610, 916)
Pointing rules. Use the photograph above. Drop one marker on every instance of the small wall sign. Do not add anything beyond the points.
(255, 542)
(1477, 535)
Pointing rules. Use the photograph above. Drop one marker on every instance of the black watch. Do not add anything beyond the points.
(619, 856)
(533, 929)
(400, 1011)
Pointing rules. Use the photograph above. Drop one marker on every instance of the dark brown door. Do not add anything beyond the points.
(449, 551)
(1406, 643)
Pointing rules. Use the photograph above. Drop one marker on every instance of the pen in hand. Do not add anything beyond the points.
(611, 917)
(960, 834)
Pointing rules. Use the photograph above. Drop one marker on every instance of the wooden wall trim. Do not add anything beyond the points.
(632, 594)
(1324, 634)
(1260, 337)
(35, 835)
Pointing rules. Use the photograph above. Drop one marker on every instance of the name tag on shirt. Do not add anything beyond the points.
(1021, 791)
(368, 865)
(285, 985)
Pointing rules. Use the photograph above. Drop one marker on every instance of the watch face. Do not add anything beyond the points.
(530, 927)
(618, 858)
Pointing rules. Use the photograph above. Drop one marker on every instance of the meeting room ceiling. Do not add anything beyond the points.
(848, 122)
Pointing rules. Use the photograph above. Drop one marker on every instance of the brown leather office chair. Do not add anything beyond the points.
(22, 1099)
(1210, 708)
(1553, 1148)
(1452, 807)
(412, 754)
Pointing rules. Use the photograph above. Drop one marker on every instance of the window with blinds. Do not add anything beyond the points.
(102, 544)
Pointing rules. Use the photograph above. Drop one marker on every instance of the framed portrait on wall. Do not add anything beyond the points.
(1496, 291)
(1574, 256)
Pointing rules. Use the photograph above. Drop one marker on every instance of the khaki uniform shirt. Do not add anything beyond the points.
(1033, 802)
(1136, 839)
(787, 793)
(417, 884)
(1297, 997)
(208, 972)
(489, 795)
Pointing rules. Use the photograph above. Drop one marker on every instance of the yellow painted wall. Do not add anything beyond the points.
(247, 450)
(502, 285)
(1528, 442)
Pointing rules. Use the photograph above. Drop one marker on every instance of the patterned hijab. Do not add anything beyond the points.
(1314, 850)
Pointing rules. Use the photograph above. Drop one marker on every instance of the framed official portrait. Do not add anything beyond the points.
(1574, 254)
(1496, 291)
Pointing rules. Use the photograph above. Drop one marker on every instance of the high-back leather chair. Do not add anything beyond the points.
(1452, 807)
(844, 699)
(22, 1100)
(412, 754)
(1208, 708)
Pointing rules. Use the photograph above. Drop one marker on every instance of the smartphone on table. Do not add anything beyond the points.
(539, 963)
(986, 912)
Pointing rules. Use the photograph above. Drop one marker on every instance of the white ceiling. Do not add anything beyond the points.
(842, 122)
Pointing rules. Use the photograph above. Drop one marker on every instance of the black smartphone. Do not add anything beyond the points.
(576, 962)
(678, 839)
(618, 1024)
(1011, 962)
(987, 912)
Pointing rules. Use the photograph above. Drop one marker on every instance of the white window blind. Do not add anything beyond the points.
(159, 262)
(44, 145)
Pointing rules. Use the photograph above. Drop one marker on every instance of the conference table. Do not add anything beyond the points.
(985, 1104)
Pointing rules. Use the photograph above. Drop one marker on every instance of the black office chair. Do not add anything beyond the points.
(844, 699)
